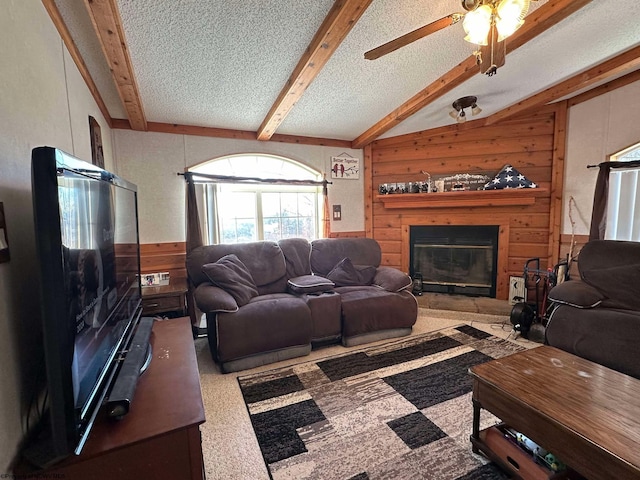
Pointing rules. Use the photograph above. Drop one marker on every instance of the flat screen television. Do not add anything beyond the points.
(86, 226)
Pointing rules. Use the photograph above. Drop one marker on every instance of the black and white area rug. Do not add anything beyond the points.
(401, 410)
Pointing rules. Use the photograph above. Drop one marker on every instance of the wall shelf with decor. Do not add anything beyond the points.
(463, 199)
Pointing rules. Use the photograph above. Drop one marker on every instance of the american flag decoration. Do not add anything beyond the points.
(509, 177)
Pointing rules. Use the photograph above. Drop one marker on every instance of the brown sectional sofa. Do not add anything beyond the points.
(269, 301)
(597, 316)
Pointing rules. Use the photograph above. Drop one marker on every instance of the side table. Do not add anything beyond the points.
(165, 298)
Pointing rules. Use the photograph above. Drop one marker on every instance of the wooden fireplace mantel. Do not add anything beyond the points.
(463, 199)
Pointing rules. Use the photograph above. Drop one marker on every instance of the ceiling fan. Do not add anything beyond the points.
(486, 23)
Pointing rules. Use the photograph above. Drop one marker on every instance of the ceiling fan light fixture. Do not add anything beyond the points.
(509, 16)
(477, 24)
(460, 104)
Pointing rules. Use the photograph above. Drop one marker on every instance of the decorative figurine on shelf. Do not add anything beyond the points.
(426, 185)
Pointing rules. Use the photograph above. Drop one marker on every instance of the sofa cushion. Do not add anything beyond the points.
(576, 293)
(392, 279)
(296, 256)
(612, 267)
(263, 259)
(371, 309)
(327, 252)
(309, 284)
(346, 274)
(210, 298)
(230, 274)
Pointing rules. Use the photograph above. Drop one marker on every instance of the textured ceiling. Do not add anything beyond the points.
(222, 63)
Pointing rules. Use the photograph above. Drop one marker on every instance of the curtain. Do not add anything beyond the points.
(194, 230)
(326, 219)
(194, 240)
(601, 197)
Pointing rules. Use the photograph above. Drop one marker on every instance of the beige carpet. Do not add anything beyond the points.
(229, 446)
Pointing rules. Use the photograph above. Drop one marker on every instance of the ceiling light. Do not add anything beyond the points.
(460, 104)
(506, 15)
(476, 25)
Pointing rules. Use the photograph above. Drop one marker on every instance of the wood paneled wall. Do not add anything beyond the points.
(164, 257)
(534, 145)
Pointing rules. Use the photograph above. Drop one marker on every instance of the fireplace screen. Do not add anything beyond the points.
(458, 259)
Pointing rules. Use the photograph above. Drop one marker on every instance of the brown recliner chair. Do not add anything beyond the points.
(597, 317)
(251, 318)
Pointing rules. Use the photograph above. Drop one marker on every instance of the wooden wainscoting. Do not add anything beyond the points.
(164, 257)
(347, 234)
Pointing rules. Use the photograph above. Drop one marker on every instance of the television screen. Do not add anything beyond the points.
(87, 239)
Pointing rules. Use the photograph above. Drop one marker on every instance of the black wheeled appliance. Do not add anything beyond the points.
(525, 313)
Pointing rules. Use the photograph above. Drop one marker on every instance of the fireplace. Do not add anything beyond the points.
(460, 259)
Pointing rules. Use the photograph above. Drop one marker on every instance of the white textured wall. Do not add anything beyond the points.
(597, 128)
(43, 101)
(152, 161)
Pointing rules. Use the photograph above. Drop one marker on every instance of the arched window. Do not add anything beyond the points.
(235, 210)
(623, 203)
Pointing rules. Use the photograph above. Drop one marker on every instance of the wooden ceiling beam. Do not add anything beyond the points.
(549, 14)
(605, 88)
(58, 21)
(178, 129)
(628, 60)
(107, 23)
(337, 24)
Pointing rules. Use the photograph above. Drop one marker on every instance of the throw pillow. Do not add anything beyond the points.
(230, 274)
(367, 273)
(345, 274)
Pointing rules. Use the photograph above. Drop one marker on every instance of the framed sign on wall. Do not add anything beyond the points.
(346, 167)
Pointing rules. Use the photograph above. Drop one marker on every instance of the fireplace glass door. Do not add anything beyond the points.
(456, 259)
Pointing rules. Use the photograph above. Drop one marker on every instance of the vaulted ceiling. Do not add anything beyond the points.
(294, 70)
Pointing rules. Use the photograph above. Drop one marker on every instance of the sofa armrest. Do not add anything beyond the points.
(392, 279)
(210, 298)
(306, 284)
(576, 293)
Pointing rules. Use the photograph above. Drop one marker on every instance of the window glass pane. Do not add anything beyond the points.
(283, 211)
(271, 204)
(234, 230)
(271, 228)
(306, 228)
(623, 202)
(237, 204)
(246, 230)
(289, 204)
(306, 204)
(260, 166)
(289, 227)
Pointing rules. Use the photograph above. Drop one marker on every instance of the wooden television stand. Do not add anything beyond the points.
(160, 437)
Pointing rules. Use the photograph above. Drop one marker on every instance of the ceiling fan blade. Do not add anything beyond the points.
(413, 36)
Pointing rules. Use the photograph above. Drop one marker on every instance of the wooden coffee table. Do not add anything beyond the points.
(586, 414)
